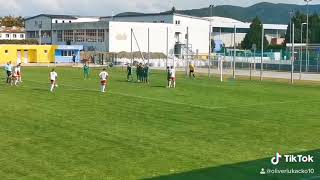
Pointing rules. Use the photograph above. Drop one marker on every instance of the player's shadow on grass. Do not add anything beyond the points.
(158, 86)
(125, 81)
(40, 89)
(251, 171)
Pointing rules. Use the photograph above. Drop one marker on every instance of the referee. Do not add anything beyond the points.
(8, 69)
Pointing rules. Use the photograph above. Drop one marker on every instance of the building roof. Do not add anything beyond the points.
(13, 29)
(139, 15)
(155, 14)
(219, 19)
(224, 22)
(54, 16)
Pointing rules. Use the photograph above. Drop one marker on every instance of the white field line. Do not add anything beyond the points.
(173, 102)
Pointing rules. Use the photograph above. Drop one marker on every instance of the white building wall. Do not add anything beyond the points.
(198, 32)
(120, 37)
(12, 36)
(228, 38)
(79, 20)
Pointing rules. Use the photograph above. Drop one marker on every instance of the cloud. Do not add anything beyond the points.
(106, 7)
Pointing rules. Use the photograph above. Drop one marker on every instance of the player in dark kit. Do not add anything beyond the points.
(168, 76)
(146, 73)
(138, 72)
(129, 73)
(86, 71)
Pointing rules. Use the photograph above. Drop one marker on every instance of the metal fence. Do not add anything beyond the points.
(244, 63)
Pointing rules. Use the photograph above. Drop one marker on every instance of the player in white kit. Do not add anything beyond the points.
(16, 77)
(103, 80)
(53, 79)
(172, 81)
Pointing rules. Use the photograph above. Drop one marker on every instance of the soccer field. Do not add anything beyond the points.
(203, 129)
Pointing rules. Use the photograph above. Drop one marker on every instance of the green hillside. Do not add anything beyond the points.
(267, 12)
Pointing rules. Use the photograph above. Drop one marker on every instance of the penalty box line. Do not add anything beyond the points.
(177, 103)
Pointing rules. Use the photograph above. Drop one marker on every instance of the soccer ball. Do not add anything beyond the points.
(56, 85)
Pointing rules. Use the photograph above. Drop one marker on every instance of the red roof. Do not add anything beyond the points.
(12, 29)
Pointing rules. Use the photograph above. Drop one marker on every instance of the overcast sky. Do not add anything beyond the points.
(106, 7)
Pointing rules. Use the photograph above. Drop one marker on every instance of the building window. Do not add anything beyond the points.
(69, 21)
(59, 36)
(101, 35)
(31, 34)
(46, 51)
(162, 21)
(178, 22)
(68, 36)
(14, 36)
(56, 21)
(154, 21)
(46, 34)
(6, 51)
(80, 35)
(91, 35)
(67, 53)
(63, 21)
(21, 36)
(7, 35)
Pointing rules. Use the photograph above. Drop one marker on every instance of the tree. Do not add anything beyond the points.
(297, 20)
(10, 21)
(314, 28)
(254, 36)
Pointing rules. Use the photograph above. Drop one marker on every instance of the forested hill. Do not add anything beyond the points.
(267, 12)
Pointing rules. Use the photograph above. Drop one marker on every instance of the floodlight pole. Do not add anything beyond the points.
(210, 38)
(307, 39)
(234, 53)
(301, 31)
(167, 47)
(209, 56)
(292, 56)
(221, 69)
(131, 47)
(40, 33)
(262, 42)
(290, 14)
(148, 46)
(187, 62)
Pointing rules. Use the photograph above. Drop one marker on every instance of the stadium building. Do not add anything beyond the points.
(169, 33)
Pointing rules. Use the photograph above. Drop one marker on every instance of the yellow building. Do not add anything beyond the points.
(27, 53)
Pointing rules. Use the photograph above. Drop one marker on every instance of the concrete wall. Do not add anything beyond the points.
(120, 37)
(27, 53)
(32, 25)
(97, 46)
(198, 33)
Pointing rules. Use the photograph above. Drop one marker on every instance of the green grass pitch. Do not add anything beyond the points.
(203, 129)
